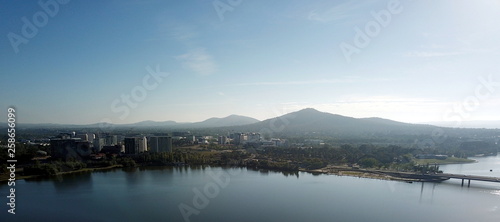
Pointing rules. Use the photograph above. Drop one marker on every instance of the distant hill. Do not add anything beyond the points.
(313, 121)
(150, 123)
(470, 124)
(232, 120)
(303, 122)
(313, 124)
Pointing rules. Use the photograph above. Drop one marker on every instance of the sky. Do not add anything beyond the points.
(83, 62)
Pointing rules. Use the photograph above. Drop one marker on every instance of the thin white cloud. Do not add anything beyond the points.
(182, 33)
(325, 16)
(339, 12)
(312, 82)
(435, 50)
(465, 45)
(196, 59)
(386, 99)
(307, 82)
(431, 54)
(199, 61)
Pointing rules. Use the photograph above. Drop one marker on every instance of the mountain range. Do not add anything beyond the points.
(313, 121)
(306, 120)
(232, 120)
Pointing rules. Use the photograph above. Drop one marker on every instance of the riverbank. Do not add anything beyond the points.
(361, 173)
(331, 170)
(5, 177)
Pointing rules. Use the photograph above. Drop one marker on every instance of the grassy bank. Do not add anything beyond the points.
(361, 173)
(449, 160)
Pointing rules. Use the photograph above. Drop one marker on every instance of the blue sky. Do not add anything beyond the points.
(257, 58)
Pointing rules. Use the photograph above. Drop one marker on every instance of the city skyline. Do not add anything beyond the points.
(126, 62)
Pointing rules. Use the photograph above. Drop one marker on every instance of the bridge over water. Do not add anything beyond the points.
(438, 177)
(467, 177)
(442, 176)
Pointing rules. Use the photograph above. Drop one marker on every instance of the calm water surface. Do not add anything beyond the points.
(238, 194)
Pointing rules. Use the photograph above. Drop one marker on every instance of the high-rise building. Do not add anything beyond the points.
(191, 138)
(143, 144)
(131, 145)
(82, 136)
(153, 144)
(254, 137)
(236, 138)
(111, 140)
(160, 144)
(99, 143)
(223, 140)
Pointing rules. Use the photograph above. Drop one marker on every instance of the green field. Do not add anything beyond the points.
(449, 160)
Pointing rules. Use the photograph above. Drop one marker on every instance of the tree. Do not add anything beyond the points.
(369, 162)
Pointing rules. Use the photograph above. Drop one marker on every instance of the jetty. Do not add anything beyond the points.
(422, 177)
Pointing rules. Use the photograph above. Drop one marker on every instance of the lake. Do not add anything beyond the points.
(238, 194)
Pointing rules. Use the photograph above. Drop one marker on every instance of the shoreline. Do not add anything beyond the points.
(332, 170)
(23, 177)
(360, 173)
(329, 170)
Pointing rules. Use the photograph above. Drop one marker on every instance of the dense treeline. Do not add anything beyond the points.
(283, 159)
(24, 153)
(53, 168)
(364, 155)
(172, 158)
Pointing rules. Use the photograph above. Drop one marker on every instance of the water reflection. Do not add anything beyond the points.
(131, 176)
(291, 173)
(432, 191)
(421, 192)
(66, 182)
(69, 182)
(265, 172)
(196, 167)
(158, 191)
(161, 169)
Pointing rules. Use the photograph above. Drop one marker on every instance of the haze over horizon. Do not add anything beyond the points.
(237, 120)
(108, 61)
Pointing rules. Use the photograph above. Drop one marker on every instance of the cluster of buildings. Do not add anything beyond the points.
(84, 145)
(251, 138)
(68, 146)
(79, 146)
(136, 145)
